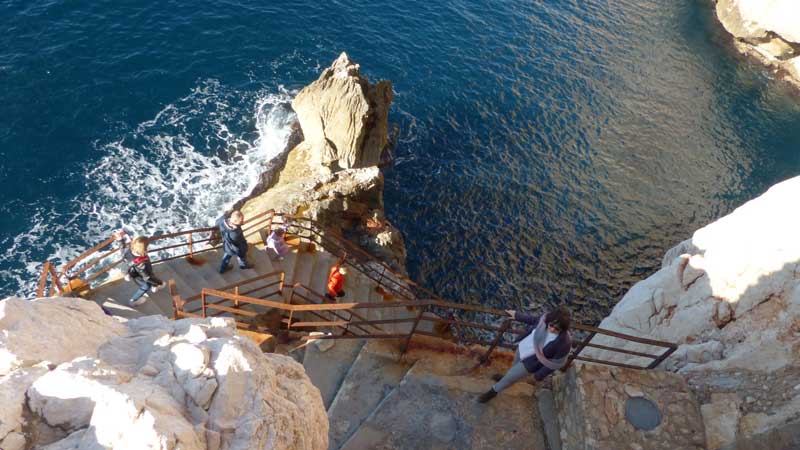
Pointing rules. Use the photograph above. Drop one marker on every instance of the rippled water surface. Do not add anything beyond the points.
(550, 151)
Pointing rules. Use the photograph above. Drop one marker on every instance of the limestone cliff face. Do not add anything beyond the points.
(344, 117)
(72, 377)
(766, 29)
(730, 296)
(333, 176)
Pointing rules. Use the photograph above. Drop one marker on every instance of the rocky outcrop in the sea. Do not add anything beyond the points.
(730, 296)
(333, 175)
(344, 117)
(766, 29)
(72, 377)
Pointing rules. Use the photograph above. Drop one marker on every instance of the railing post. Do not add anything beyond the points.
(203, 302)
(577, 351)
(269, 228)
(661, 358)
(413, 330)
(191, 246)
(380, 280)
(503, 328)
(236, 293)
(54, 276)
(43, 279)
(177, 303)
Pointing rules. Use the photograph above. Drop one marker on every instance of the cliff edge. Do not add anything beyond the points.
(768, 30)
(730, 296)
(72, 377)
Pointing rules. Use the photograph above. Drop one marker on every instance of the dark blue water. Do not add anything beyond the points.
(550, 151)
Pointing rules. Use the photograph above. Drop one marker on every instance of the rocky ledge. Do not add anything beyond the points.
(768, 30)
(333, 175)
(730, 296)
(72, 377)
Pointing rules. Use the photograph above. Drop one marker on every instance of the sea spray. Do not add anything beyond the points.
(179, 170)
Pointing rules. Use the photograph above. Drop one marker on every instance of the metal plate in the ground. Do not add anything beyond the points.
(642, 413)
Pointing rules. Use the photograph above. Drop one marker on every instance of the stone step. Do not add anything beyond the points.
(328, 368)
(304, 268)
(429, 411)
(234, 273)
(121, 291)
(288, 268)
(372, 376)
(319, 279)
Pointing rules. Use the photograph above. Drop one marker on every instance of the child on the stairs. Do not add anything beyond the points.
(277, 244)
(233, 240)
(336, 281)
(140, 270)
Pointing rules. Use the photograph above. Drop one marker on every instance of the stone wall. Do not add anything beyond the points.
(72, 377)
(591, 404)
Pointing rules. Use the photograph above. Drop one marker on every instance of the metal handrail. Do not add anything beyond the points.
(411, 294)
(358, 322)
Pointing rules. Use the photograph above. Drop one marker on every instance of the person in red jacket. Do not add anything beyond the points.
(336, 282)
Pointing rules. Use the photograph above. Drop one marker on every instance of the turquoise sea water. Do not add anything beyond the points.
(549, 151)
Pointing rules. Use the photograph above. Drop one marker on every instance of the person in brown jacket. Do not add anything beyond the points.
(336, 282)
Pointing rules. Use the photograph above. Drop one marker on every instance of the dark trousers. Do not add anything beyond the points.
(226, 258)
(331, 297)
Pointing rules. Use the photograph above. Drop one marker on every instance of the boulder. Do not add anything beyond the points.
(154, 383)
(344, 117)
(766, 29)
(29, 329)
(739, 291)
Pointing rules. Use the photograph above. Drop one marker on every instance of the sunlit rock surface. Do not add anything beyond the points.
(344, 117)
(93, 382)
(766, 29)
(730, 296)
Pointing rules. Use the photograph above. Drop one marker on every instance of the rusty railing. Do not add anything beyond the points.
(240, 299)
(352, 325)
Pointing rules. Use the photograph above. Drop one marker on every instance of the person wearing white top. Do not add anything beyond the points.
(543, 349)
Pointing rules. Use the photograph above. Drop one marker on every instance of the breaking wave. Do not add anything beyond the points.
(179, 170)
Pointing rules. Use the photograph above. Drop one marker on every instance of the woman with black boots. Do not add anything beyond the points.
(542, 351)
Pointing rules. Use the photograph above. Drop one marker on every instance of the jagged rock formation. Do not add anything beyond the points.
(766, 29)
(345, 118)
(75, 378)
(332, 176)
(731, 297)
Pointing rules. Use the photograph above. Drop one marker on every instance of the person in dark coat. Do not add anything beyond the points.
(543, 349)
(233, 240)
(140, 270)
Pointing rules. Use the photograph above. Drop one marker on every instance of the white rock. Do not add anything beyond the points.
(765, 29)
(159, 384)
(188, 358)
(755, 18)
(745, 301)
(30, 328)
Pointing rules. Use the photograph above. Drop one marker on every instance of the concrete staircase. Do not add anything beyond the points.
(424, 400)
(305, 264)
(375, 398)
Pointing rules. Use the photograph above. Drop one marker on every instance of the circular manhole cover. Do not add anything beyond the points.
(642, 413)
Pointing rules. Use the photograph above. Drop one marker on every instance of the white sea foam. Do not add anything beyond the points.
(179, 170)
